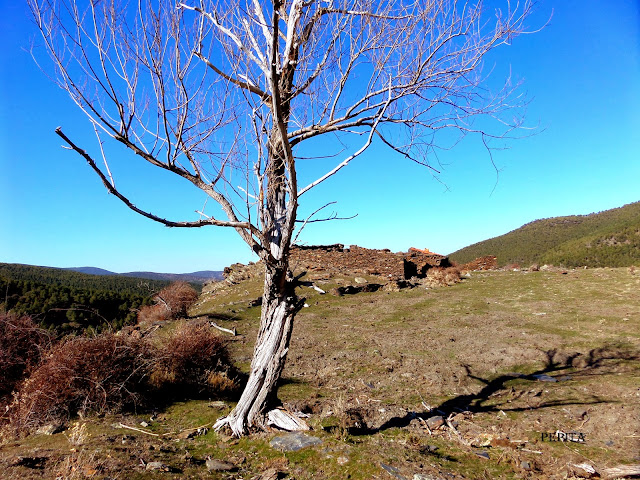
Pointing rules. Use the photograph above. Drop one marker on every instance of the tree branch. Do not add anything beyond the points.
(127, 202)
(346, 161)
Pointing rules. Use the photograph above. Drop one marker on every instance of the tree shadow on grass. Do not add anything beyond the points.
(598, 361)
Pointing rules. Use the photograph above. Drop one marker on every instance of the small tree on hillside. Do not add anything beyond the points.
(225, 93)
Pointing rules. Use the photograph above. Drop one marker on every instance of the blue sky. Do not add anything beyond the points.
(581, 73)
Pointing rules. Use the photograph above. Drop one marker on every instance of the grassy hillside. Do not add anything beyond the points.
(506, 357)
(606, 239)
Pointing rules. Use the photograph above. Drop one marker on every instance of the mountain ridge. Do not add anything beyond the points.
(200, 276)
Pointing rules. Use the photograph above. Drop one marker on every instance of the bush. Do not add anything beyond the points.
(193, 360)
(112, 373)
(21, 347)
(177, 298)
(170, 303)
(82, 375)
(152, 314)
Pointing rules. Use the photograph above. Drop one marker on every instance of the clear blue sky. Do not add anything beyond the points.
(582, 74)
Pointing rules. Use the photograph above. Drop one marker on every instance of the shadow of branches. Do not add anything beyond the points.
(558, 367)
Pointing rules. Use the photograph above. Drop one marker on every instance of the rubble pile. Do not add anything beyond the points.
(488, 262)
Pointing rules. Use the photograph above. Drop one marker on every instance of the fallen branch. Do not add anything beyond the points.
(215, 325)
(285, 421)
(531, 451)
(425, 424)
(460, 438)
(122, 425)
(314, 286)
(620, 471)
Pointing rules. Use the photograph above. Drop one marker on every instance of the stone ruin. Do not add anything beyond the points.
(337, 259)
(397, 269)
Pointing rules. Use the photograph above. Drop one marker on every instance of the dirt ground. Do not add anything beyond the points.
(476, 380)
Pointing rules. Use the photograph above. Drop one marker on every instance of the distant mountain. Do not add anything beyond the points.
(195, 277)
(606, 239)
(91, 270)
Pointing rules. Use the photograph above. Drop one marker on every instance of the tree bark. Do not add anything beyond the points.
(279, 306)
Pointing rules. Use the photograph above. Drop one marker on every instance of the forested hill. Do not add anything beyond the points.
(606, 239)
(68, 301)
(73, 279)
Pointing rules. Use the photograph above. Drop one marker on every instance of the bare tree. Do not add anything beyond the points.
(225, 93)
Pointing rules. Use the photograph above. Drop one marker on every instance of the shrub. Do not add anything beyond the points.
(81, 375)
(152, 314)
(177, 298)
(170, 303)
(21, 347)
(193, 360)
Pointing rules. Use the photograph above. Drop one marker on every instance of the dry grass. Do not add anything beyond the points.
(79, 465)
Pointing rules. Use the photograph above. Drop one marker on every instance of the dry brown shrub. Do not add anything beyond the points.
(193, 359)
(153, 314)
(79, 465)
(177, 298)
(82, 375)
(22, 343)
(438, 277)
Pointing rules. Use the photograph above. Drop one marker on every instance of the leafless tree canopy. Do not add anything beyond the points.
(207, 89)
(225, 93)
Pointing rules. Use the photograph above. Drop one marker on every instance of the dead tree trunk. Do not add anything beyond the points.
(279, 300)
(279, 306)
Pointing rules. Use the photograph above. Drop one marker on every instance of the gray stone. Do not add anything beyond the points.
(482, 454)
(218, 465)
(157, 466)
(424, 476)
(435, 422)
(360, 280)
(543, 378)
(393, 471)
(50, 429)
(294, 441)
